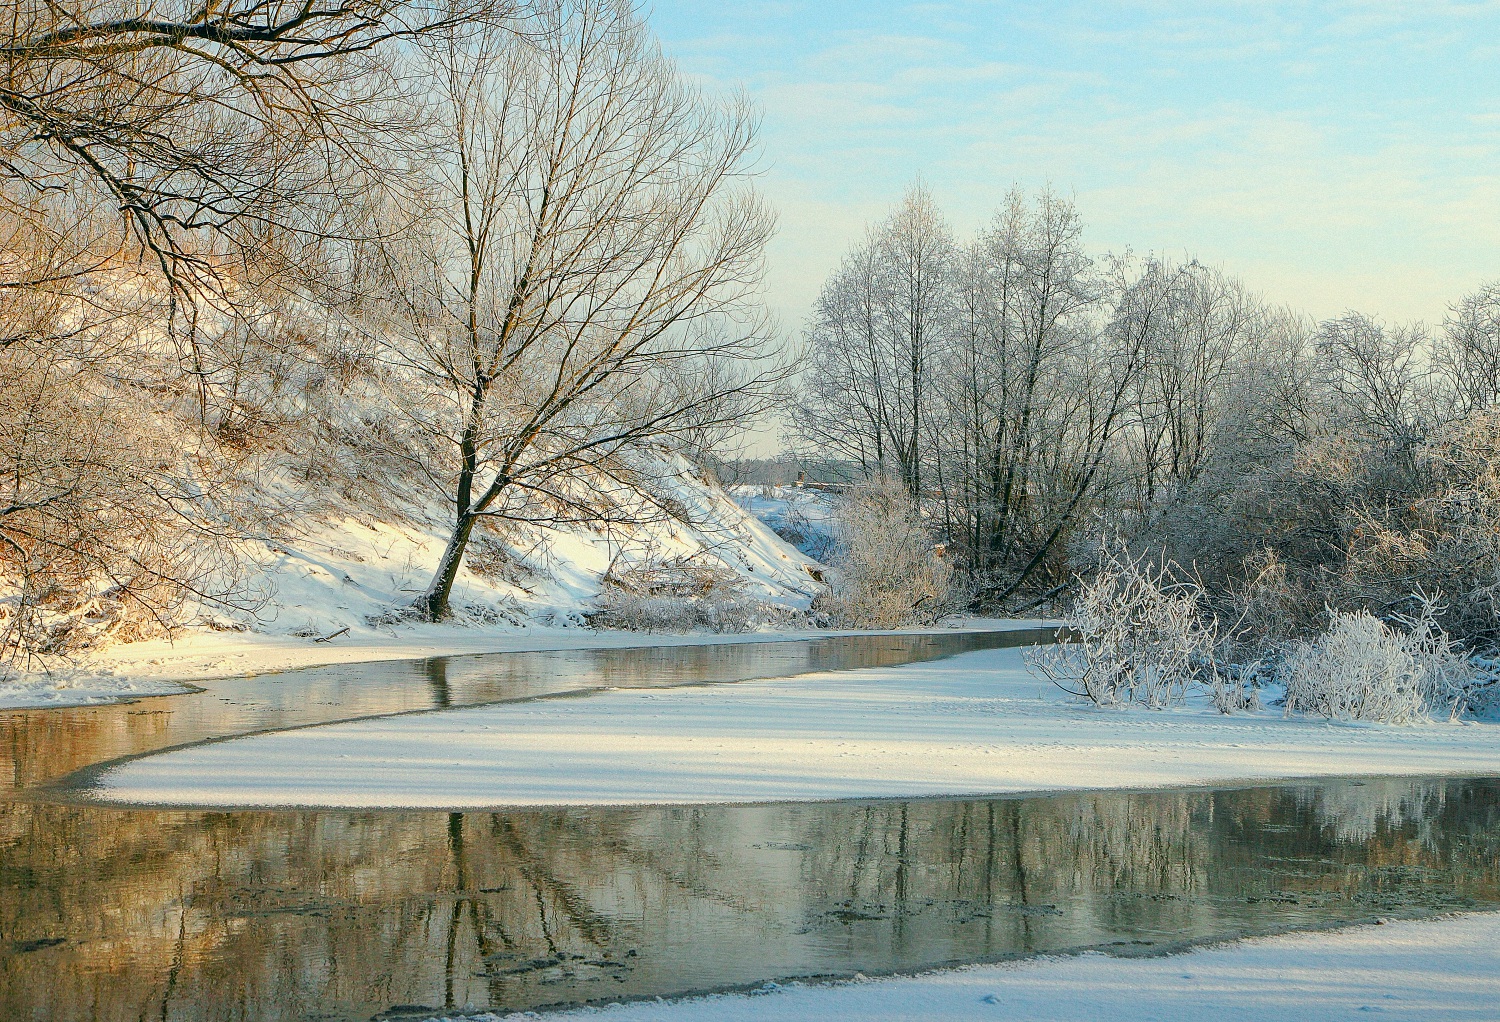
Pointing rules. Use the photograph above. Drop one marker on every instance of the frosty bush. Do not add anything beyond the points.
(1363, 669)
(1139, 637)
(680, 594)
(886, 573)
(639, 612)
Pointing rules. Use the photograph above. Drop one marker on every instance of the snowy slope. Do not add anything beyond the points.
(804, 517)
(349, 573)
(343, 577)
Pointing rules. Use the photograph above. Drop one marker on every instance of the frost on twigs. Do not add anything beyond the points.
(1140, 636)
(886, 573)
(1361, 668)
(681, 594)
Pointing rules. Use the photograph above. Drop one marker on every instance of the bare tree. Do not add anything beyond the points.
(845, 394)
(917, 249)
(1032, 288)
(1468, 355)
(873, 344)
(580, 283)
(1009, 374)
(200, 123)
(1196, 351)
(1113, 359)
(1379, 377)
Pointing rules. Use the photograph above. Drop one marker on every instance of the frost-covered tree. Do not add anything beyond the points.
(875, 345)
(576, 280)
(1468, 352)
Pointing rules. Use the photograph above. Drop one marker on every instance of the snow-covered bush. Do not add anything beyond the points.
(1139, 636)
(1484, 688)
(681, 594)
(886, 572)
(1235, 687)
(1361, 668)
(1344, 520)
(642, 612)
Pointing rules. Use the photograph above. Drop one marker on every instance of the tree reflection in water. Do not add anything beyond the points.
(118, 914)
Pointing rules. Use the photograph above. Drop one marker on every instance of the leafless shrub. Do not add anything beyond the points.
(1139, 636)
(1266, 602)
(886, 572)
(637, 612)
(1235, 687)
(113, 517)
(679, 594)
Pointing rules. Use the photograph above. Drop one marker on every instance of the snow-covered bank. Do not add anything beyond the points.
(805, 517)
(86, 688)
(527, 587)
(1435, 971)
(975, 724)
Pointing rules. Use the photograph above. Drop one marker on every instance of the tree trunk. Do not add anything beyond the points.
(435, 602)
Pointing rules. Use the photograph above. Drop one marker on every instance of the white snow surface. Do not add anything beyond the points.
(79, 688)
(808, 513)
(975, 724)
(1434, 971)
(528, 589)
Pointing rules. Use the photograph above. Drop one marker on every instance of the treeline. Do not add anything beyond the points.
(460, 263)
(1042, 400)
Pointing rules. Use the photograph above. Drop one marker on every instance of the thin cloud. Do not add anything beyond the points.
(1348, 146)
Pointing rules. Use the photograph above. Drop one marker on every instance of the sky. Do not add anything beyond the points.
(1334, 156)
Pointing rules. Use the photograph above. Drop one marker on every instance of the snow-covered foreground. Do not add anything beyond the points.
(975, 724)
(1435, 971)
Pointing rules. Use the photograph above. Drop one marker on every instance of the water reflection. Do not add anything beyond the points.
(37, 746)
(113, 915)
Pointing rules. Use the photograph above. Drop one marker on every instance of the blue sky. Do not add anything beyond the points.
(1333, 155)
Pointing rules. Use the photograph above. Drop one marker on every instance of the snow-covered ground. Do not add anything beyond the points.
(1432, 971)
(803, 516)
(529, 589)
(975, 724)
